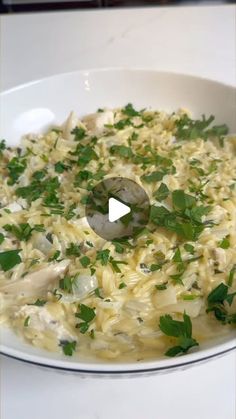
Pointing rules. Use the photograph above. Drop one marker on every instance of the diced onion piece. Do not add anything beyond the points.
(165, 298)
(96, 122)
(192, 308)
(83, 285)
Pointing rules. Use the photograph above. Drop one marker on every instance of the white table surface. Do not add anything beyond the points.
(193, 40)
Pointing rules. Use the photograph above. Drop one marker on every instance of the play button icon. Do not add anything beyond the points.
(116, 210)
(117, 207)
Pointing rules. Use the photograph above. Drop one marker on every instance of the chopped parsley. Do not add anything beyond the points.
(26, 322)
(189, 248)
(190, 129)
(121, 244)
(68, 347)
(186, 217)
(153, 177)
(130, 111)
(122, 151)
(55, 256)
(79, 133)
(2, 146)
(2, 238)
(66, 283)
(23, 231)
(181, 330)
(231, 276)
(97, 292)
(16, 167)
(38, 303)
(122, 124)
(73, 250)
(161, 287)
(103, 256)
(60, 167)
(115, 264)
(85, 261)
(162, 192)
(9, 259)
(86, 314)
(85, 154)
(225, 243)
(177, 256)
(216, 303)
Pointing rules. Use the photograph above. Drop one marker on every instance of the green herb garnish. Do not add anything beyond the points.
(68, 347)
(87, 314)
(182, 330)
(16, 167)
(79, 133)
(66, 283)
(216, 303)
(9, 259)
(38, 303)
(23, 231)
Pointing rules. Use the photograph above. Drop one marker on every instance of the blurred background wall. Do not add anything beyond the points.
(9, 6)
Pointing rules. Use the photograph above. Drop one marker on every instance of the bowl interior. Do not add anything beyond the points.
(36, 106)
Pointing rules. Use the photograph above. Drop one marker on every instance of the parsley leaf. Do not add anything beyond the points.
(85, 261)
(121, 244)
(103, 256)
(23, 231)
(114, 263)
(87, 314)
(2, 146)
(79, 133)
(190, 129)
(177, 256)
(9, 259)
(153, 177)
(60, 167)
(73, 250)
(231, 276)
(68, 347)
(130, 111)
(182, 330)
(185, 219)
(122, 123)
(2, 238)
(225, 243)
(216, 303)
(162, 192)
(122, 151)
(66, 283)
(38, 303)
(161, 287)
(16, 167)
(182, 201)
(189, 248)
(26, 322)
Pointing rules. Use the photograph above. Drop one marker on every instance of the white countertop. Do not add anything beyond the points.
(193, 40)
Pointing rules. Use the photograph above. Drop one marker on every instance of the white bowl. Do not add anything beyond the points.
(35, 106)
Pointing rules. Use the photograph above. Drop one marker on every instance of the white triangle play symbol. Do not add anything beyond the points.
(116, 210)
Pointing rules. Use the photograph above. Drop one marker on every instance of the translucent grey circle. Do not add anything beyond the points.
(129, 193)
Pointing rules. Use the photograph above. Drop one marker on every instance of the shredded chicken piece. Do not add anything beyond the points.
(37, 282)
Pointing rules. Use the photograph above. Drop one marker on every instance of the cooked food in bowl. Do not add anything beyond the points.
(161, 291)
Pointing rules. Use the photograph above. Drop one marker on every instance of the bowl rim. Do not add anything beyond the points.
(131, 368)
(114, 69)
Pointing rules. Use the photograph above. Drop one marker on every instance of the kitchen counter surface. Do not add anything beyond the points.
(192, 40)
